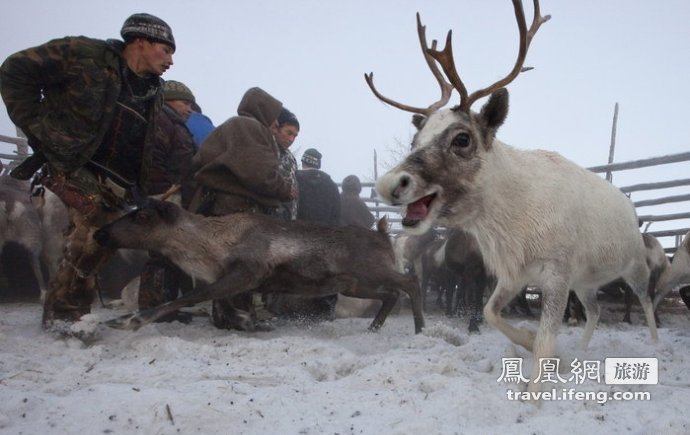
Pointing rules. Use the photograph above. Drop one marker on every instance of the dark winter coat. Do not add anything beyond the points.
(240, 160)
(172, 155)
(63, 94)
(319, 200)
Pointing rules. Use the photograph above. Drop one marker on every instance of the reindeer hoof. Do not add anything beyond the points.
(176, 316)
(128, 322)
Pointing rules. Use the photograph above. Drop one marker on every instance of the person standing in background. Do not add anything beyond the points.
(318, 202)
(319, 198)
(285, 132)
(353, 210)
(171, 163)
(199, 124)
(240, 170)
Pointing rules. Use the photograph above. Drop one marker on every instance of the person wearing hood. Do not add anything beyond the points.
(88, 109)
(238, 165)
(239, 169)
(353, 210)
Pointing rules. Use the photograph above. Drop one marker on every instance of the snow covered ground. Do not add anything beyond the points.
(329, 378)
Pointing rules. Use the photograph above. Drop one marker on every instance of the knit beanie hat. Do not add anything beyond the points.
(174, 90)
(149, 27)
(312, 158)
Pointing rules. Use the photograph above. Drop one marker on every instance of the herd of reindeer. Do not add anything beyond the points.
(513, 221)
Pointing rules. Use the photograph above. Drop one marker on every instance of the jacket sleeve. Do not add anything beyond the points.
(54, 93)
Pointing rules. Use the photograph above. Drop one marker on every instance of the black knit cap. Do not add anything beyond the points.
(149, 27)
(312, 158)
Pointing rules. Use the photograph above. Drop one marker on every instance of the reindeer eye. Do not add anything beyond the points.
(462, 140)
(140, 217)
(462, 146)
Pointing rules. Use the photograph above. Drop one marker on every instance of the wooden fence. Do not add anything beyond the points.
(677, 223)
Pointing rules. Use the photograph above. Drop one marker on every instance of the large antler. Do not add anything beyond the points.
(445, 59)
(446, 88)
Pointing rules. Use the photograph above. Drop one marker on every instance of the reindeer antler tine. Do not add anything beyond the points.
(445, 59)
(370, 81)
(525, 40)
(446, 88)
(170, 192)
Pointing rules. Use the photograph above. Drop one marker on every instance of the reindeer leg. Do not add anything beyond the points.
(476, 291)
(638, 280)
(348, 286)
(627, 291)
(492, 313)
(416, 295)
(240, 278)
(388, 299)
(38, 273)
(588, 298)
(555, 296)
(654, 276)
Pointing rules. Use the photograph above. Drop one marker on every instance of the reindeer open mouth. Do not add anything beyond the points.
(418, 210)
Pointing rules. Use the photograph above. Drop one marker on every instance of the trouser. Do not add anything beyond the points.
(72, 290)
(90, 206)
(161, 281)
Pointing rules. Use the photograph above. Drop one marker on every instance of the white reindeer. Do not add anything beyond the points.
(538, 218)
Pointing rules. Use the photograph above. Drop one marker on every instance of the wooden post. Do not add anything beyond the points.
(376, 177)
(612, 148)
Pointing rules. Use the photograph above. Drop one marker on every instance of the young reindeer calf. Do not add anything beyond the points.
(242, 252)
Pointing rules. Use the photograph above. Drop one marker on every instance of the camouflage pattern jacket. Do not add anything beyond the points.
(63, 94)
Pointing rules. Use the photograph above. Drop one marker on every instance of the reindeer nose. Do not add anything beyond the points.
(101, 237)
(403, 183)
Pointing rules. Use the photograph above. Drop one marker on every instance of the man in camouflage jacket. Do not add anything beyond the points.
(87, 108)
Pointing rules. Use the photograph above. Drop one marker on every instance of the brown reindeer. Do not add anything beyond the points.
(241, 252)
(538, 218)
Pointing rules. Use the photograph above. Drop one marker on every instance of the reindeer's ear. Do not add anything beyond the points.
(418, 121)
(167, 211)
(495, 111)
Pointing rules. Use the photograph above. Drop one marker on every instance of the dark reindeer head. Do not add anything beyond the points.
(145, 227)
(443, 175)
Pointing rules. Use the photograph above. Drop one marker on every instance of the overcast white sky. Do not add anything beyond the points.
(312, 56)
